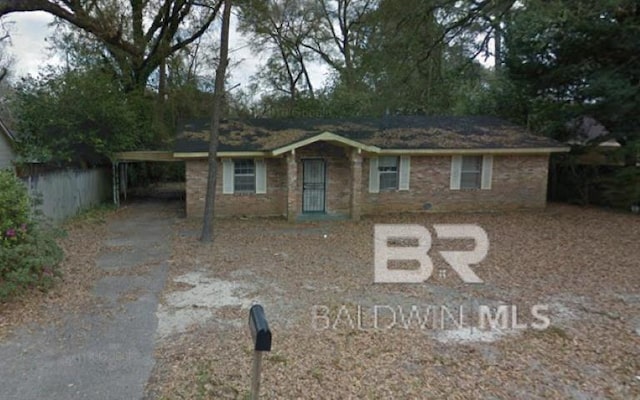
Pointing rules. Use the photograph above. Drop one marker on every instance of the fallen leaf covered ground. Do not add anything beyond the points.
(81, 240)
(315, 280)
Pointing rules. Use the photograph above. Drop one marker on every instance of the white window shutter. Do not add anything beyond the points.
(261, 176)
(456, 172)
(227, 176)
(405, 173)
(374, 176)
(487, 171)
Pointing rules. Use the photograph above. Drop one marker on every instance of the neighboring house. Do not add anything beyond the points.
(359, 166)
(587, 131)
(7, 152)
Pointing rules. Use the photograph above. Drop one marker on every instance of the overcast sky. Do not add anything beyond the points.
(29, 49)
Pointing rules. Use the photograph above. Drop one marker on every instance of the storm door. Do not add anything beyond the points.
(313, 185)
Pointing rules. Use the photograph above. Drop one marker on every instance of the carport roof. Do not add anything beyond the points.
(378, 135)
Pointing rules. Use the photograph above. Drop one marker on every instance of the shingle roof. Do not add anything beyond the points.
(392, 132)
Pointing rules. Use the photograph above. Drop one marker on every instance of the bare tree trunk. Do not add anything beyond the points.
(306, 77)
(207, 223)
(162, 80)
(497, 54)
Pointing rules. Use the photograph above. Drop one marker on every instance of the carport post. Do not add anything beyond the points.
(261, 336)
(116, 186)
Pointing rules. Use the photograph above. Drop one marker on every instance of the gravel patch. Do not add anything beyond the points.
(196, 305)
(469, 335)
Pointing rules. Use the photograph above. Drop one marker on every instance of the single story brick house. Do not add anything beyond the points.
(363, 166)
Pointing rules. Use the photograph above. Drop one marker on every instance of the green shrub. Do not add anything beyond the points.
(29, 255)
(621, 189)
(31, 263)
(15, 208)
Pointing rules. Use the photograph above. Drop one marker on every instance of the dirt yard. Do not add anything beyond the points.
(339, 335)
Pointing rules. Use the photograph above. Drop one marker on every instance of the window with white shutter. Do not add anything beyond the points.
(244, 175)
(389, 173)
(471, 172)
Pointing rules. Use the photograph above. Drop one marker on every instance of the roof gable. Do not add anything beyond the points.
(326, 137)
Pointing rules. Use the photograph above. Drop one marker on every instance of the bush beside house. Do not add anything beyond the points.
(29, 255)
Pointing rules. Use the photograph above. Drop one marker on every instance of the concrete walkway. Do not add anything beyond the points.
(106, 352)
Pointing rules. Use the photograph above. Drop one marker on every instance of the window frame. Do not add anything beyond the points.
(236, 175)
(395, 172)
(479, 160)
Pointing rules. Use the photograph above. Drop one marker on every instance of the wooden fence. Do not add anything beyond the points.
(63, 193)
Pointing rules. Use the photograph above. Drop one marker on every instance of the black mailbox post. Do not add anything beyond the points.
(261, 336)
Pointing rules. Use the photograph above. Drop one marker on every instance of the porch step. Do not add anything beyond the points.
(307, 217)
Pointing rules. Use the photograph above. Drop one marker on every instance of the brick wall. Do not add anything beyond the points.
(273, 203)
(518, 182)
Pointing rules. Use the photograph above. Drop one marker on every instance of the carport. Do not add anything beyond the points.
(120, 164)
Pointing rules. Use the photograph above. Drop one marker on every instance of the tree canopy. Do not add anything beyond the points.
(137, 35)
(555, 61)
(80, 116)
(574, 58)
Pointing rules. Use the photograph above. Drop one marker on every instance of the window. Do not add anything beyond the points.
(388, 172)
(471, 172)
(244, 176)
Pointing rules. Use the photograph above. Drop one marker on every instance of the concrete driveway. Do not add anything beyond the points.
(105, 352)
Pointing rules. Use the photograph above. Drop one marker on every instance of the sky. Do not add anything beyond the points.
(29, 49)
(28, 45)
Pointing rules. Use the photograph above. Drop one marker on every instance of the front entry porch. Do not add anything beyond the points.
(324, 182)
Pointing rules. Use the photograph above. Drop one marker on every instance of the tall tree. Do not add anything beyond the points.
(407, 60)
(339, 35)
(283, 26)
(577, 58)
(403, 60)
(178, 87)
(79, 116)
(218, 94)
(138, 34)
(5, 59)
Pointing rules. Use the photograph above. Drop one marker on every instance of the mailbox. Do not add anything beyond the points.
(259, 328)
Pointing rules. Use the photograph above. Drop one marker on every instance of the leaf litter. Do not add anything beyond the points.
(582, 263)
